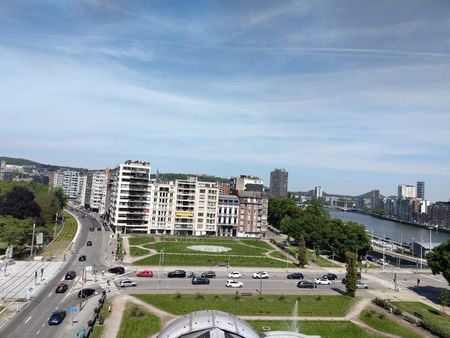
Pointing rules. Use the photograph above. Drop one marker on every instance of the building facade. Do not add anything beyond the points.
(406, 191)
(228, 214)
(96, 190)
(246, 183)
(420, 189)
(162, 208)
(253, 209)
(279, 183)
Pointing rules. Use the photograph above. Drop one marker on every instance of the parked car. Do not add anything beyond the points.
(89, 243)
(144, 273)
(86, 292)
(70, 275)
(231, 283)
(382, 262)
(200, 280)
(234, 274)
(119, 270)
(82, 258)
(330, 276)
(91, 229)
(322, 281)
(57, 317)
(305, 284)
(127, 282)
(261, 274)
(191, 275)
(361, 285)
(209, 274)
(177, 274)
(61, 288)
(295, 275)
(99, 229)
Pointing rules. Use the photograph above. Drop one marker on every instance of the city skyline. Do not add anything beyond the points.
(348, 96)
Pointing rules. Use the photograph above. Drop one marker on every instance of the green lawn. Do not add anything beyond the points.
(278, 254)
(325, 329)
(98, 329)
(308, 305)
(214, 260)
(62, 241)
(139, 240)
(256, 242)
(182, 247)
(200, 240)
(135, 251)
(320, 261)
(138, 323)
(381, 322)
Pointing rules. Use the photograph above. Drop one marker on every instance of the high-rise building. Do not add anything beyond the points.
(279, 183)
(406, 191)
(420, 190)
(162, 207)
(317, 192)
(96, 187)
(246, 183)
(70, 181)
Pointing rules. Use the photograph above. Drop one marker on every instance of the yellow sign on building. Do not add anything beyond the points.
(184, 214)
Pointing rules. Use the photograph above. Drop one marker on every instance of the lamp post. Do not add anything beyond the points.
(32, 240)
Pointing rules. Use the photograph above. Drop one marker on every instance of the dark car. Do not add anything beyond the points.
(84, 293)
(117, 270)
(358, 275)
(70, 275)
(191, 275)
(295, 275)
(61, 288)
(91, 229)
(209, 274)
(200, 280)
(89, 243)
(329, 276)
(82, 258)
(99, 229)
(305, 284)
(57, 317)
(177, 274)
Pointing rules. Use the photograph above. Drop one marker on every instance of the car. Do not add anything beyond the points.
(57, 317)
(70, 275)
(329, 276)
(144, 273)
(305, 284)
(86, 292)
(200, 280)
(234, 274)
(82, 258)
(295, 275)
(261, 274)
(83, 216)
(322, 281)
(231, 283)
(209, 274)
(127, 282)
(99, 229)
(361, 285)
(382, 262)
(91, 229)
(119, 270)
(107, 229)
(89, 243)
(191, 275)
(177, 274)
(61, 288)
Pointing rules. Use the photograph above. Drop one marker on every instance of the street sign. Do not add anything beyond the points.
(73, 309)
(40, 238)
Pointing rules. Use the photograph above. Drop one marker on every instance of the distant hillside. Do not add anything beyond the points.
(18, 161)
(47, 167)
(180, 176)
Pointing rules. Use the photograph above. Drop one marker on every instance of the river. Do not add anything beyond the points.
(397, 231)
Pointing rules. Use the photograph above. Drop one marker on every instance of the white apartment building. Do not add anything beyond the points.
(81, 195)
(96, 190)
(246, 183)
(228, 214)
(70, 181)
(162, 208)
(130, 196)
(406, 191)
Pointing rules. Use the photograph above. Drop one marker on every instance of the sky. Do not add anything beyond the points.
(349, 95)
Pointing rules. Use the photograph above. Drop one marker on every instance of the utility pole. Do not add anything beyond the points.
(56, 221)
(32, 240)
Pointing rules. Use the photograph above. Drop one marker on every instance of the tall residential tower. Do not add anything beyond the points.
(279, 183)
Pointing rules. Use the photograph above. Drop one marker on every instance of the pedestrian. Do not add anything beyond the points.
(418, 282)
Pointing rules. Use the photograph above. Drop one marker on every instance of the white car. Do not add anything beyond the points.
(231, 283)
(127, 282)
(322, 281)
(381, 262)
(234, 274)
(261, 274)
(361, 285)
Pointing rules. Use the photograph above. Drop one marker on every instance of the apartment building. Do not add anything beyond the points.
(279, 183)
(253, 209)
(228, 214)
(129, 206)
(96, 190)
(246, 183)
(70, 181)
(162, 208)
(406, 191)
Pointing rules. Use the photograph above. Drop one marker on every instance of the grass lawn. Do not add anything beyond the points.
(138, 323)
(308, 305)
(138, 240)
(213, 260)
(381, 322)
(427, 312)
(256, 242)
(98, 329)
(320, 261)
(182, 247)
(324, 329)
(62, 241)
(200, 240)
(135, 251)
(277, 254)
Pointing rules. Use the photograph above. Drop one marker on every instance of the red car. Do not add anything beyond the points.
(145, 273)
(61, 288)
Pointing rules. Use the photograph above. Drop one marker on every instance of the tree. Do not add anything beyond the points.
(20, 203)
(302, 261)
(443, 299)
(439, 260)
(15, 232)
(351, 275)
(59, 194)
(279, 208)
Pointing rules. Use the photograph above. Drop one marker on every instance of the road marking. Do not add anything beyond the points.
(43, 325)
(49, 294)
(38, 331)
(28, 319)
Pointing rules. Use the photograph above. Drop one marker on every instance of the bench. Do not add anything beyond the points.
(222, 264)
(246, 294)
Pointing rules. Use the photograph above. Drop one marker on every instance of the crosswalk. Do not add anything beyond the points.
(112, 287)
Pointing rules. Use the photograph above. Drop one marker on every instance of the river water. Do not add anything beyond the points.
(397, 231)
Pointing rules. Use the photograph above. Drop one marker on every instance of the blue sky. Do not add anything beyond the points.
(349, 95)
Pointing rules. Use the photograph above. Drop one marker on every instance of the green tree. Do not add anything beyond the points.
(439, 260)
(59, 194)
(15, 232)
(351, 274)
(279, 208)
(20, 203)
(302, 261)
(443, 299)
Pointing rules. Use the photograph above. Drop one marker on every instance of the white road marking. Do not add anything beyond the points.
(38, 331)
(49, 294)
(43, 325)
(28, 319)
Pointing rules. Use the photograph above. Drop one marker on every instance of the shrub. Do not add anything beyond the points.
(410, 319)
(217, 298)
(199, 296)
(435, 327)
(136, 312)
(397, 311)
(178, 295)
(382, 303)
(318, 298)
(282, 298)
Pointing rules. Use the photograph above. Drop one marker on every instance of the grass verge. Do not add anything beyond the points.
(98, 329)
(138, 323)
(135, 251)
(320, 261)
(381, 322)
(307, 305)
(183, 247)
(325, 329)
(62, 241)
(139, 240)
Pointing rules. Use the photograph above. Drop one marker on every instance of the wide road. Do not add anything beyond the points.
(32, 320)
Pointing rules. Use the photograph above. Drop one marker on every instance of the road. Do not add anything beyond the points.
(32, 320)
